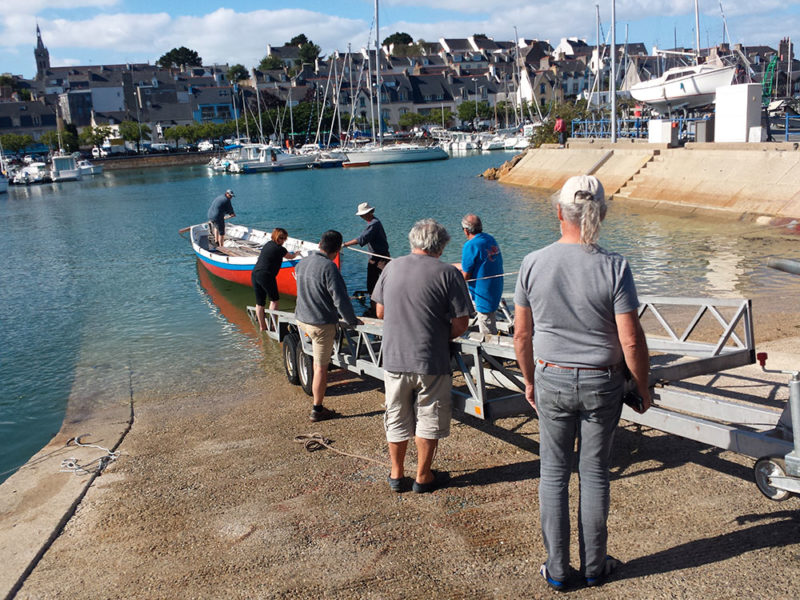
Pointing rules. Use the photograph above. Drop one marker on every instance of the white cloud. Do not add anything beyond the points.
(34, 7)
(227, 35)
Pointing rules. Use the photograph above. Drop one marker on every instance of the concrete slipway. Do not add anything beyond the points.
(739, 181)
(758, 181)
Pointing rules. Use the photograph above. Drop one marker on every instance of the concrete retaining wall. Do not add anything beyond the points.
(730, 179)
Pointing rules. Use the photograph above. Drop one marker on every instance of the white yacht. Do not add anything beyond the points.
(64, 168)
(683, 87)
(397, 153)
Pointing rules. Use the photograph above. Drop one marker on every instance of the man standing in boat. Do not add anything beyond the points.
(220, 207)
(321, 297)
(482, 267)
(374, 238)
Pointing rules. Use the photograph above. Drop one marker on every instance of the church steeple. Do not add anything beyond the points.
(41, 55)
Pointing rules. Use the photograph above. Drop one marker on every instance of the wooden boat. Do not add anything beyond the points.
(236, 260)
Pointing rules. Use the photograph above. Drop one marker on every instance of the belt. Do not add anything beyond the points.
(547, 364)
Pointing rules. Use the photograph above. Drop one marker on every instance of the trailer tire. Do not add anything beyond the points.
(305, 370)
(290, 344)
(770, 467)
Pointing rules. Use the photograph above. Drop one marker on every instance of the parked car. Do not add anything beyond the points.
(159, 147)
(205, 146)
(99, 152)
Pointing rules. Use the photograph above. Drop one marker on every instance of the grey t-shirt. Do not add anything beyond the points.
(321, 292)
(574, 295)
(420, 295)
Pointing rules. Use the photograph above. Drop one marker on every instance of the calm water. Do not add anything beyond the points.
(100, 297)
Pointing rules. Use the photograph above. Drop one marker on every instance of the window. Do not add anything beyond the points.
(541, 88)
(224, 112)
(207, 113)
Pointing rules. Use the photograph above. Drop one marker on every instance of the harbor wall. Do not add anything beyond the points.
(759, 181)
(176, 159)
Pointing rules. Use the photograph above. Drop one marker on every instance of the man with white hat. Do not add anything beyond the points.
(374, 238)
(220, 207)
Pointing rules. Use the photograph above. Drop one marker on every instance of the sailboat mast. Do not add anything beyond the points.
(697, 32)
(378, 74)
(613, 87)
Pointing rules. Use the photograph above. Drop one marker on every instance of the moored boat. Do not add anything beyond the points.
(88, 168)
(683, 87)
(236, 260)
(398, 153)
(64, 168)
(35, 172)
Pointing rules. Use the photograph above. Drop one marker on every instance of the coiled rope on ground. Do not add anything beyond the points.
(316, 441)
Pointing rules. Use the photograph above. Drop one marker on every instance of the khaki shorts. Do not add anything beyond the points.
(417, 405)
(322, 338)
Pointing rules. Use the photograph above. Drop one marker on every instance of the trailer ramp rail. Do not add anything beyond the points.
(687, 337)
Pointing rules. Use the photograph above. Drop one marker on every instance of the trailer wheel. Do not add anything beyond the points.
(770, 467)
(290, 344)
(305, 370)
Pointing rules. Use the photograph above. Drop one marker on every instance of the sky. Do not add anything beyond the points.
(86, 32)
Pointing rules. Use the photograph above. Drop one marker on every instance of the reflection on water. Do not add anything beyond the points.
(98, 291)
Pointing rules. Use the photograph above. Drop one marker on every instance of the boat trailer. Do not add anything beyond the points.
(714, 335)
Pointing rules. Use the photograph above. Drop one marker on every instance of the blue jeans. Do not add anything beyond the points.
(583, 404)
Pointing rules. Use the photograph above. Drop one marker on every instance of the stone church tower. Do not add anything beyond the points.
(42, 56)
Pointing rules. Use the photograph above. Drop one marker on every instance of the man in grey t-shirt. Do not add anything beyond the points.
(424, 303)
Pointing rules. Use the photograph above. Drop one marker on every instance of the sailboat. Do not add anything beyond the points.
(686, 86)
(377, 153)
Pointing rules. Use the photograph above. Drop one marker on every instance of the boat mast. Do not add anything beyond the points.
(613, 87)
(258, 105)
(378, 74)
(599, 77)
(697, 32)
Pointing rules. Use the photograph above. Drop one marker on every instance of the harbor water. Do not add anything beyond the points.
(101, 298)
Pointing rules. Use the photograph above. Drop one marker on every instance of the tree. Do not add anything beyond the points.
(14, 142)
(443, 117)
(237, 73)
(180, 56)
(131, 131)
(270, 63)
(467, 110)
(298, 40)
(94, 136)
(173, 134)
(410, 119)
(398, 39)
(567, 111)
(308, 53)
(50, 139)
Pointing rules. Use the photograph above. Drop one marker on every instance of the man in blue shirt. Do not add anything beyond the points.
(374, 238)
(482, 267)
(220, 207)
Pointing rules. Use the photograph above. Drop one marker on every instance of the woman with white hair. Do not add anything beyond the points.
(576, 305)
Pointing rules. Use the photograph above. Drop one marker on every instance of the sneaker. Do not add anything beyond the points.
(608, 569)
(324, 414)
(554, 584)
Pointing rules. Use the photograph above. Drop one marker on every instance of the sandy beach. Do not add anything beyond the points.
(212, 497)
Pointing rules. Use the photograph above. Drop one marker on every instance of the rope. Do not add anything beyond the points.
(315, 441)
(369, 253)
(72, 465)
(390, 258)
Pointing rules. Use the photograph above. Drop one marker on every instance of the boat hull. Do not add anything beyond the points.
(697, 88)
(239, 269)
(389, 154)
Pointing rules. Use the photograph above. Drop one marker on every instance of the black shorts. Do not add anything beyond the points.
(219, 225)
(265, 286)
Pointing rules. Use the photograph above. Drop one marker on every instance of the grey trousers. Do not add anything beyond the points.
(582, 404)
